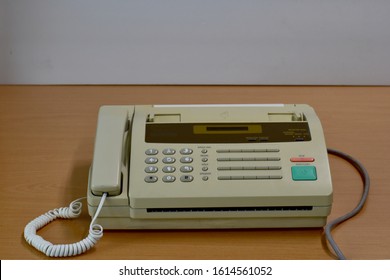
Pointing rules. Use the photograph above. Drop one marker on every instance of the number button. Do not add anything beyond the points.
(151, 179)
(186, 151)
(151, 169)
(169, 179)
(151, 152)
(186, 160)
(186, 168)
(169, 151)
(186, 178)
(151, 160)
(168, 160)
(168, 169)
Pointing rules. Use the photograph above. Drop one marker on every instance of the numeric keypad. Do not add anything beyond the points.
(175, 165)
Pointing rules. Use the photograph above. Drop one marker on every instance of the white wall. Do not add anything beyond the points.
(195, 42)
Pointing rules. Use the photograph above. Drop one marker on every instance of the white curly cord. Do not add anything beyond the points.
(64, 250)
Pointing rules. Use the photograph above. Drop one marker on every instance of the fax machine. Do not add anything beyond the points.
(210, 166)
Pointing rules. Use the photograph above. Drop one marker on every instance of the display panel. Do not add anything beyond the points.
(226, 133)
(226, 128)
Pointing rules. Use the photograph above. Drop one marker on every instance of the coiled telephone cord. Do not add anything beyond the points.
(64, 250)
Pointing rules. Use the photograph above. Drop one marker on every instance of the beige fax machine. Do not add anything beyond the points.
(210, 166)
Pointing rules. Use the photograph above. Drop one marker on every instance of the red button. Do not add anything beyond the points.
(301, 159)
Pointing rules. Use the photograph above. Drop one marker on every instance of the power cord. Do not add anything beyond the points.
(366, 187)
(64, 250)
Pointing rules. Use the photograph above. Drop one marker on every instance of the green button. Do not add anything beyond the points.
(304, 173)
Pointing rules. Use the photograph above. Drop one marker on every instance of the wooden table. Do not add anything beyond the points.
(46, 142)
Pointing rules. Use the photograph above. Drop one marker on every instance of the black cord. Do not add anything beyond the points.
(366, 186)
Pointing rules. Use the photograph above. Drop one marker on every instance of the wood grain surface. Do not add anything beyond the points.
(46, 142)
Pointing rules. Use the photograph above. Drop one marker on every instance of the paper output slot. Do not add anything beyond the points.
(230, 209)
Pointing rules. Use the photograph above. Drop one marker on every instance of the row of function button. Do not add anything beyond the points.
(169, 178)
(238, 159)
(169, 151)
(188, 151)
(248, 151)
(250, 159)
(169, 169)
(266, 177)
(225, 168)
(168, 160)
(187, 159)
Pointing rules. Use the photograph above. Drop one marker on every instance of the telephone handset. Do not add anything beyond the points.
(110, 152)
(108, 173)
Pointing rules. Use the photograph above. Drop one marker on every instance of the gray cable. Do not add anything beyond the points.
(366, 186)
